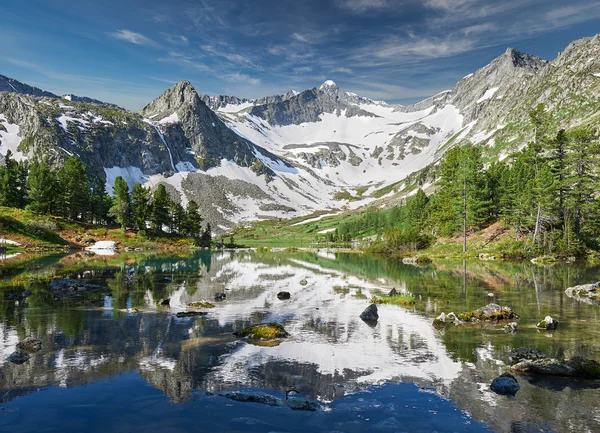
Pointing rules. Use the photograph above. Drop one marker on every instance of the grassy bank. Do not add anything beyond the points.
(42, 232)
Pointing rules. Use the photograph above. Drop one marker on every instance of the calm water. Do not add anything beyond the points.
(105, 368)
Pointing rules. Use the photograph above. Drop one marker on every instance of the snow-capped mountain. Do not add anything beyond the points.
(288, 155)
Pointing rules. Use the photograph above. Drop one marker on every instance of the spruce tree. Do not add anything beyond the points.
(121, 204)
(100, 201)
(193, 220)
(42, 187)
(12, 187)
(74, 187)
(140, 204)
(160, 208)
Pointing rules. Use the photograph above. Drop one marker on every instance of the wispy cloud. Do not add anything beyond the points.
(133, 37)
(243, 78)
(174, 39)
(361, 6)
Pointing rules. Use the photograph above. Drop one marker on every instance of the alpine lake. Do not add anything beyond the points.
(114, 360)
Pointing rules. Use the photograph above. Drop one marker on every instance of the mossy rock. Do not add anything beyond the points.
(265, 331)
(438, 324)
(585, 368)
(201, 304)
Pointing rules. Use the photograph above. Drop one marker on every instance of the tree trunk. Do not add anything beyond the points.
(537, 223)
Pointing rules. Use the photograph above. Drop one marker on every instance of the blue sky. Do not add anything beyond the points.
(129, 51)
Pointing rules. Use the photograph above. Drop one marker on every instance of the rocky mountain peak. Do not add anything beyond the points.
(329, 84)
(517, 59)
(181, 94)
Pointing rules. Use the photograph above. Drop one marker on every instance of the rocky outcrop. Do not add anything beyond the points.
(309, 105)
(588, 293)
(531, 361)
(493, 313)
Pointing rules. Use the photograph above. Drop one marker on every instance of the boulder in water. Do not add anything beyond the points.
(303, 282)
(294, 404)
(588, 293)
(18, 357)
(505, 384)
(30, 344)
(165, 302)
(370, 314)
(511, 328)
(489, 313)
(393, 292)
(549, 324)
(524, 353)
(220, 296)
(191, 314)
(282, 296)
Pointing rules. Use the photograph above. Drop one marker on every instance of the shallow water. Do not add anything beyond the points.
(105, 366)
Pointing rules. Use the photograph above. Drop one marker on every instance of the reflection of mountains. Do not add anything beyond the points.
(331, 351)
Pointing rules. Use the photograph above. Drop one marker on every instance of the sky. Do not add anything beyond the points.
(129, 51)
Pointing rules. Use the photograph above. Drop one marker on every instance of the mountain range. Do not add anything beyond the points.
(287, 155)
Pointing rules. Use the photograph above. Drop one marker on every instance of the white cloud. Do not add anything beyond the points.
(243, 78)
(132, 37)
(175, 39)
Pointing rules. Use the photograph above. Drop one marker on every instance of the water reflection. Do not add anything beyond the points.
(331, 353)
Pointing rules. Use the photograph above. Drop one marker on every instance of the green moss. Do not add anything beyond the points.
(201, 304)
(586, 368)
(266, 331)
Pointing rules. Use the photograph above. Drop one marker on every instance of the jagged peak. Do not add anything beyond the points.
(328, 84)
(519, 59)
(182, 93)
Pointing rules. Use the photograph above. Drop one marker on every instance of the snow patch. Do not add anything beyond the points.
(489, 93)
(10, 140)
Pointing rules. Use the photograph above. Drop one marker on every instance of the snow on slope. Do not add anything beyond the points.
(358, 135)
(9, 139)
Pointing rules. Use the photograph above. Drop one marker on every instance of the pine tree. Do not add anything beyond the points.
(206, 238)
(160, 208)
(42, 187)
(75, 191)
(140, 204)
(100, 201)
(121, 206)
(178, 216)
(193, 221)
(12, 188)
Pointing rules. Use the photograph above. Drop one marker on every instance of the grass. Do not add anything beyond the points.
(36, 231)
(400, 300)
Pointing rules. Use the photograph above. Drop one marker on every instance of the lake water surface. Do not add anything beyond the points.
(113, 360)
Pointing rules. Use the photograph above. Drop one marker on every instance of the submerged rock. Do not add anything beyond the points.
(220, 296)
(370, 314)
(511, 328)
(30, 344)
(18, 357)
(282, 296)
(294, 404)
(548, 366)
(588, 293)
(265, 331)
(524, 353)
(505, 384)
(303, 282)
(548, 324)
(191, 313)
(66, 287)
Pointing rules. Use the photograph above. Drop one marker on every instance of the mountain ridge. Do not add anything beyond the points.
(322, 148)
